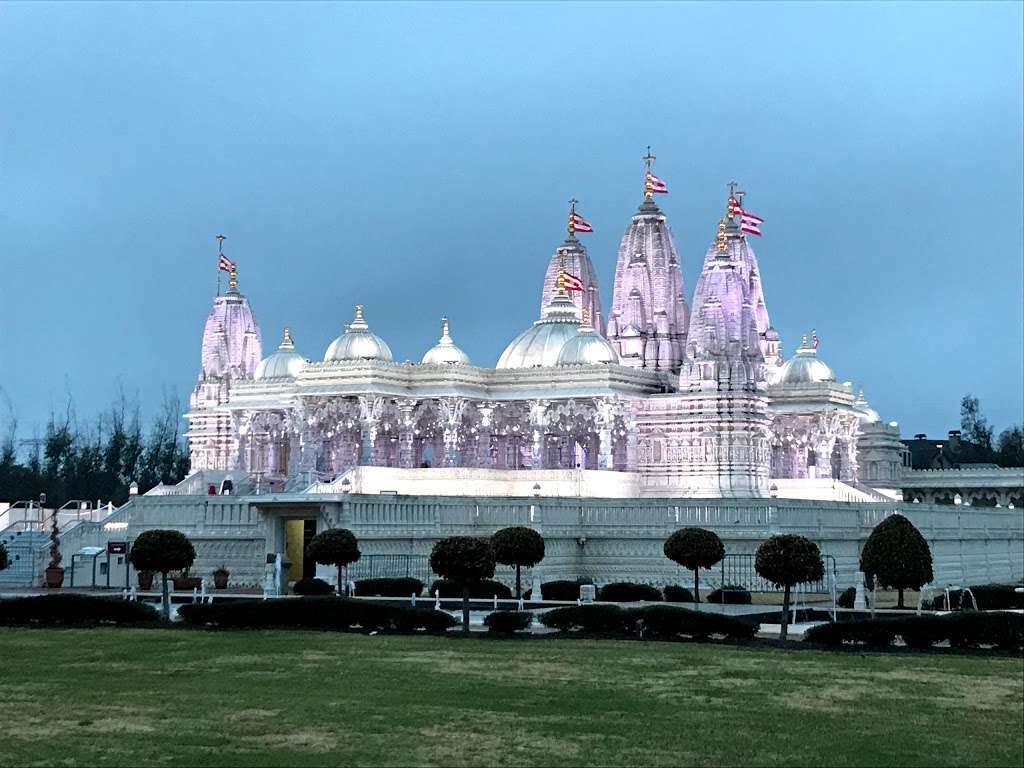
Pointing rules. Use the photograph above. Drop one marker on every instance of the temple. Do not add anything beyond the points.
(681, 403)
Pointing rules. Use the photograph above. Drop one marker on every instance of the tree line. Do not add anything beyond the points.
(1007, 450)
(96, 460)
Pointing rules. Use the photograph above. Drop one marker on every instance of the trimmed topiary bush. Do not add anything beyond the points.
(846, 598)
(730, 594)
(694, 548)
(603, 619)
(481, 590)
(312, 587)
(676, 594)
(518, 546)
(897, 555)
(335, 546)
(74, 610)
(989, 597)
(396, 587)
(560, 589)
(785, 561)
(465, 560)
(162, 550)
(508, 622)
(878, 633)
(962, 630)
(326, 613)
(626, 592)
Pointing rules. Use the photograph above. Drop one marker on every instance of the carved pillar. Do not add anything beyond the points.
(370, 410)
(538, 421)
(406, 435)
(484, 431)
(604, 420)
(451, 410)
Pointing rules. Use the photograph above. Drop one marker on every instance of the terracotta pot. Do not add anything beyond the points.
(145, 580)
(187, 583)
(220, 579)
(54, 577)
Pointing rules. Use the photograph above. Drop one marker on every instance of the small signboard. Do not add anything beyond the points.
(117, 547)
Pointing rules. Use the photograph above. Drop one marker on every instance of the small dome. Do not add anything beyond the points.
(540, 344)
(865, 412)
(358, 343)
(587, 347)
(445, 352)
(805, 368)
(285, 363)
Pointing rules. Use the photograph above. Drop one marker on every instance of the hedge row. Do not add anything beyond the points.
(675, 594)
(560, 589)
(626, 592)
(333, 613)
(312, 587)
(960, 630)
(659, 621)
(74, 610)
(730, 594)
(482, 590)
(400, 587)
(507, 622)
(989, 597)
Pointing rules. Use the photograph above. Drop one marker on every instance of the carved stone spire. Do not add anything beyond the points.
(572, 256)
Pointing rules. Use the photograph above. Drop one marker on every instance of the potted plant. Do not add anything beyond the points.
(145, 580)
(220, 577)
(185, 583)
(54, 571)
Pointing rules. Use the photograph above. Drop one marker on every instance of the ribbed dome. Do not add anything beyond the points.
(285, 363)
(540, 344)
(445, 352)
(866, 413)
(805, 368)
(358, 343)
(587, 347)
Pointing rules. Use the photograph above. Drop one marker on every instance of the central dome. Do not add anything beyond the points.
(358, 343)
(805, 368)
(540, 344)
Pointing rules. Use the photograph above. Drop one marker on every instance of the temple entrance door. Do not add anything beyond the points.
(298, 532)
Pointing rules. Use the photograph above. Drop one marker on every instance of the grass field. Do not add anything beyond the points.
(174, 697)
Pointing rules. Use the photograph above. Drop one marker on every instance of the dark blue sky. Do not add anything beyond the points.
(418, 158)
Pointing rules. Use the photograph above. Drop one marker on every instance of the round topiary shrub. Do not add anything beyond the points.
(508, 622)
(694, 548)
(676, 594)
(626, 592)
(465, 560)
(898, 555)
(730, 594)
(312, 587)
(162, 550)
(786, 561)
(518, 546)
(847, 597)
(335, 546)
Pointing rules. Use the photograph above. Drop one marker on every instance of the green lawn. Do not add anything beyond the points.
(178, 697)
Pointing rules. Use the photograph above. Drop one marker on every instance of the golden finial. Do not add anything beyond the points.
(803, 342)
(359, 314)
(721, 236)
(572, 217)
(288, 340)
(560, 281)
(648, 187)
(444, 326)
(233, 278)
(586, 315)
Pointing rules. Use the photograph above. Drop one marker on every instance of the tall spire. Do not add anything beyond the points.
(572, 218)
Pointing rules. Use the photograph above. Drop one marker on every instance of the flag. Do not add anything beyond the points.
(571, 282)
(579, 224)
(656, 185)
(225, 264)
(750, 223)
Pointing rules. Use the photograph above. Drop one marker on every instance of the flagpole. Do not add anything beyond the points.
(220, 244)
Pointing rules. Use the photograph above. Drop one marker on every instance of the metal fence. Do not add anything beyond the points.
(391, 567)
(738, 570)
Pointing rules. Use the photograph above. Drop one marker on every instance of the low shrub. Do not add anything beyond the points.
(668, 622)
(398, 587)
(846, 598)
(730, 594)
(312, 587)
(675, 594)
(329, 613)
(508, 622)
(604, 619)
(74, 610)
(481, 590)
(559, 589)
(961, 630)
(626, 592)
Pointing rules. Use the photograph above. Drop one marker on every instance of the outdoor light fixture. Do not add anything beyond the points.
(346, 485)
(536, 489)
